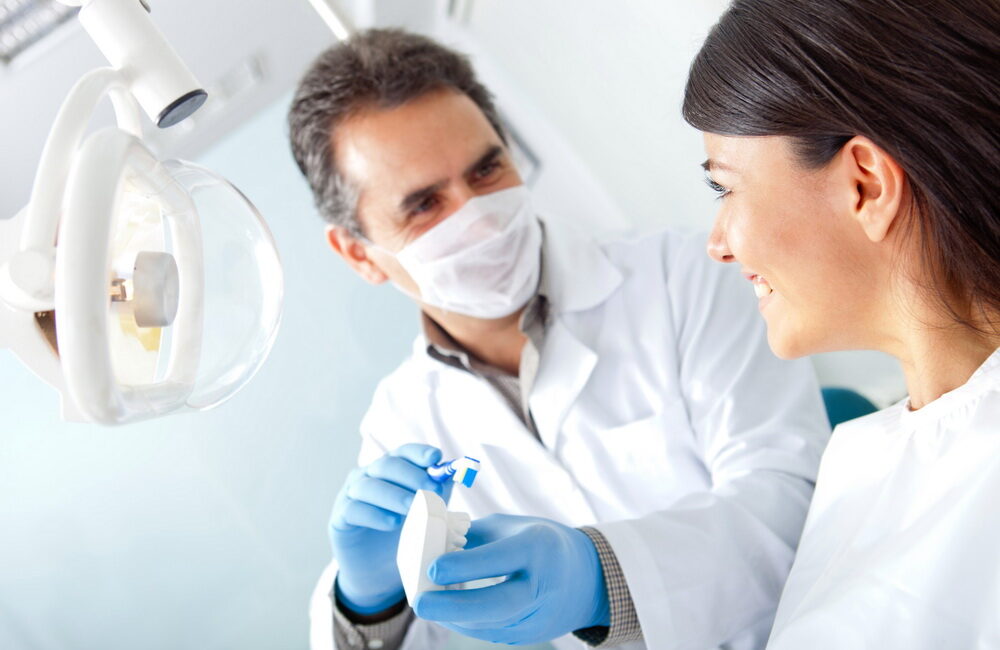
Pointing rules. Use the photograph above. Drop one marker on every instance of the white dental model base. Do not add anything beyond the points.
(428, 532)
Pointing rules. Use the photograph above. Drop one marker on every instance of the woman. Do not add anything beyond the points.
(854, 147)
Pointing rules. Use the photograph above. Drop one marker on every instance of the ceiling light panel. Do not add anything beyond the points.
(26, 22)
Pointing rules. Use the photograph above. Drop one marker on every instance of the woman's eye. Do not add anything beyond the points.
(722, 192)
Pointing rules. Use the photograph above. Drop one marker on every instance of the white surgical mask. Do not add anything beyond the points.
(484, 260)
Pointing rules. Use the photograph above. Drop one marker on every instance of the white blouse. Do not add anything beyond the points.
(901, 547)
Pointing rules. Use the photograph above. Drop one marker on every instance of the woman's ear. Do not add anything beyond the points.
(355, 253)
(877, 186)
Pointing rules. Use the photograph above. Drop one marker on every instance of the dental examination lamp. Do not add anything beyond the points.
(134, 286)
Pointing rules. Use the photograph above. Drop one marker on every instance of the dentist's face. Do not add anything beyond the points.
(791, 230)
(416, 165)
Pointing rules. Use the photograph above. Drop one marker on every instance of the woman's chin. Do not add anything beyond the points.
(787, 345)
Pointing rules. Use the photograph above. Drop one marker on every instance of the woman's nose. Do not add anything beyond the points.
(718, 247)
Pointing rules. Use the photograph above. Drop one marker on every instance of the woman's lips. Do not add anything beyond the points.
(760, 285)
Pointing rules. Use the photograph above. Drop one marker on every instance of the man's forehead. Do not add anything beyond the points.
(424, 141)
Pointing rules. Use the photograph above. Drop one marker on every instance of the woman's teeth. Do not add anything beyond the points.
(760, 287)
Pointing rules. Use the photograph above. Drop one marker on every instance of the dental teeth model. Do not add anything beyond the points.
(428, 532)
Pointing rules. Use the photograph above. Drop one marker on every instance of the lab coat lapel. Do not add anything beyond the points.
(578, 276)
(564, 369)
(479, 408)
(520, 475)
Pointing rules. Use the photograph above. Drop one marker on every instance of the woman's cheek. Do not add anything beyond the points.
(751, 241)
(727, 222)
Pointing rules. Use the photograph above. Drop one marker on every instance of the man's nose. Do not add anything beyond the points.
(458, 196)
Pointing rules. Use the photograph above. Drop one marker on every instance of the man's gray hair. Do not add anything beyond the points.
(384, 68)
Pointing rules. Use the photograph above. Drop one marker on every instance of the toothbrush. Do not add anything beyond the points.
(462, 470)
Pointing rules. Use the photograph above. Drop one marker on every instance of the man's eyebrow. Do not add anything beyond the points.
(416, 197)
(710, 164)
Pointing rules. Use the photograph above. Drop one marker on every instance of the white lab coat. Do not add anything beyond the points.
(902, 544)
(664, 419)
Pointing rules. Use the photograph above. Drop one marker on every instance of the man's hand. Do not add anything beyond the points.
(554, 584)
(367, 517)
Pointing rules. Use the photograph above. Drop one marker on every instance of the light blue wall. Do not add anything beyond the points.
(201, 530)
(204, 530)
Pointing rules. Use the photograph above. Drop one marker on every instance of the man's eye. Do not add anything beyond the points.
(424, 206)
(487, 169)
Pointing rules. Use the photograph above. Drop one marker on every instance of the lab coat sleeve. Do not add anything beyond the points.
(422, 635)
(710, 568)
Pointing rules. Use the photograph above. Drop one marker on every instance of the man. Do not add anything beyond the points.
(651, 460)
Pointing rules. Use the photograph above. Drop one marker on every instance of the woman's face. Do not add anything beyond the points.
(817, 275)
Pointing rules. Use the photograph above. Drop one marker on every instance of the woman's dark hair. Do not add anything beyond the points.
(920, 78)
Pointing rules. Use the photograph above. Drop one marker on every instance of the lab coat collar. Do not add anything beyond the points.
(577, 274)
(985, 378)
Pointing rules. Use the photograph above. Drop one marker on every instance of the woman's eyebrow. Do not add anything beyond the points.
(710, 164)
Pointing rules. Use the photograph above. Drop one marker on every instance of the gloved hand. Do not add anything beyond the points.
(555, 584)
(367, 517)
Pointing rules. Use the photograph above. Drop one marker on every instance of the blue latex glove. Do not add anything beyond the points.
(367, 517)
(555, 583)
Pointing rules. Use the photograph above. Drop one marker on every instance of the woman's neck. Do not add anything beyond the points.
(938, 358)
